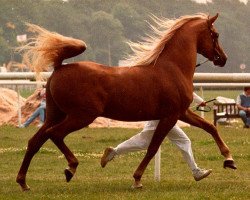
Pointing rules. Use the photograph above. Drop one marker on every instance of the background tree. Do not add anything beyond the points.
(107, 39)
(106, 25)
(133, 23)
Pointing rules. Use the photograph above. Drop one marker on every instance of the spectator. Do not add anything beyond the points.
(39, 112)
(142, 140)
(243, 104)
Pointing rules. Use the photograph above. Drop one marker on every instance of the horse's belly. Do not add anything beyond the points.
(135, 111)
(130, 117)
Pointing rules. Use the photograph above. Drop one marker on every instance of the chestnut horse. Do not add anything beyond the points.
(158, 86)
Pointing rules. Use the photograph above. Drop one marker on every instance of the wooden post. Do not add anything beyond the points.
(158, 165)
(202, 96)
(19, 112)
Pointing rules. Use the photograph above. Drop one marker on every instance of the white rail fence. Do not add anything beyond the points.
(19, 79)
(201, 80)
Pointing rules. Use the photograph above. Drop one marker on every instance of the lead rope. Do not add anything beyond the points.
(201, 63)
(206, 108)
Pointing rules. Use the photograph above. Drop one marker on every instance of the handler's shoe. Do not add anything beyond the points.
(201, 173)
(20, 126)
(107, 156)
(39, 125)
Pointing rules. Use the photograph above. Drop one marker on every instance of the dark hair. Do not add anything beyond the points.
(246, 88)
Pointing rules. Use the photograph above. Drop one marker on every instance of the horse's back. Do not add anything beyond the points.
(123, 93)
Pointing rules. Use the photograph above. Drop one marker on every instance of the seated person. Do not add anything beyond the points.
(40, 111)
(243, 104)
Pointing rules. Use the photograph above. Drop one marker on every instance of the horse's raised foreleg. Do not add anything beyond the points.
(160, 133)
(60, 131)
(195, 120)
(34, 145)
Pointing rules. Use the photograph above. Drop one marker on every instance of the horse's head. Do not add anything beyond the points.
(208, 44)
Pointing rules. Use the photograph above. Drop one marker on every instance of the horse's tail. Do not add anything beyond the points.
(48, 49)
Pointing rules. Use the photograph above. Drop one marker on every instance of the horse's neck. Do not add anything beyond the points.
(179, 59)
(182, 54)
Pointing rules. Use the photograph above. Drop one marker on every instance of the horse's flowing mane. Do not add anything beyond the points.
(149, 49)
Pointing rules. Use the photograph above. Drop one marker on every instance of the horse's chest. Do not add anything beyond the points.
(173, 103)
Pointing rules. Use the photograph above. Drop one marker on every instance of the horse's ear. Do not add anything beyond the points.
(212, 19)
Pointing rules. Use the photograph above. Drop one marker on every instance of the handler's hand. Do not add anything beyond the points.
(202, 104)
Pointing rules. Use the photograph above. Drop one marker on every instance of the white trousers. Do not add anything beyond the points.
(142, 140)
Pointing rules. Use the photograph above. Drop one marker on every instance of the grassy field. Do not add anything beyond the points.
(46, 179)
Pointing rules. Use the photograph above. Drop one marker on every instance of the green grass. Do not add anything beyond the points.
(26, 93)
(46, 179)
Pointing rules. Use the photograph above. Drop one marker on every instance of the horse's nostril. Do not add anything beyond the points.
(216, 57)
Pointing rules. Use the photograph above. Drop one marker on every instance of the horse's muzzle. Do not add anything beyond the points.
(220, 60)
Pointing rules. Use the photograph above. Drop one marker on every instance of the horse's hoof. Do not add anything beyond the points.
(68, 174)
(25, 188)
(136, 185)
(23, 184)
(229, 164)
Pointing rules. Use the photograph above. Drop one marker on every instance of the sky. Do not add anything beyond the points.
(209, 1)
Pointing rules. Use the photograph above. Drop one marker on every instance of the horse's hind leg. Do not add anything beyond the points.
(72, 160)
(34, 145)
(195, 120)
(60, 131)
(160, 133)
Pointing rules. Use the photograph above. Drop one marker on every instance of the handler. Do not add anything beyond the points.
(142, 140)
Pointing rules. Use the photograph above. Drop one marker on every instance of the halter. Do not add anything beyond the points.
(214, 37)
